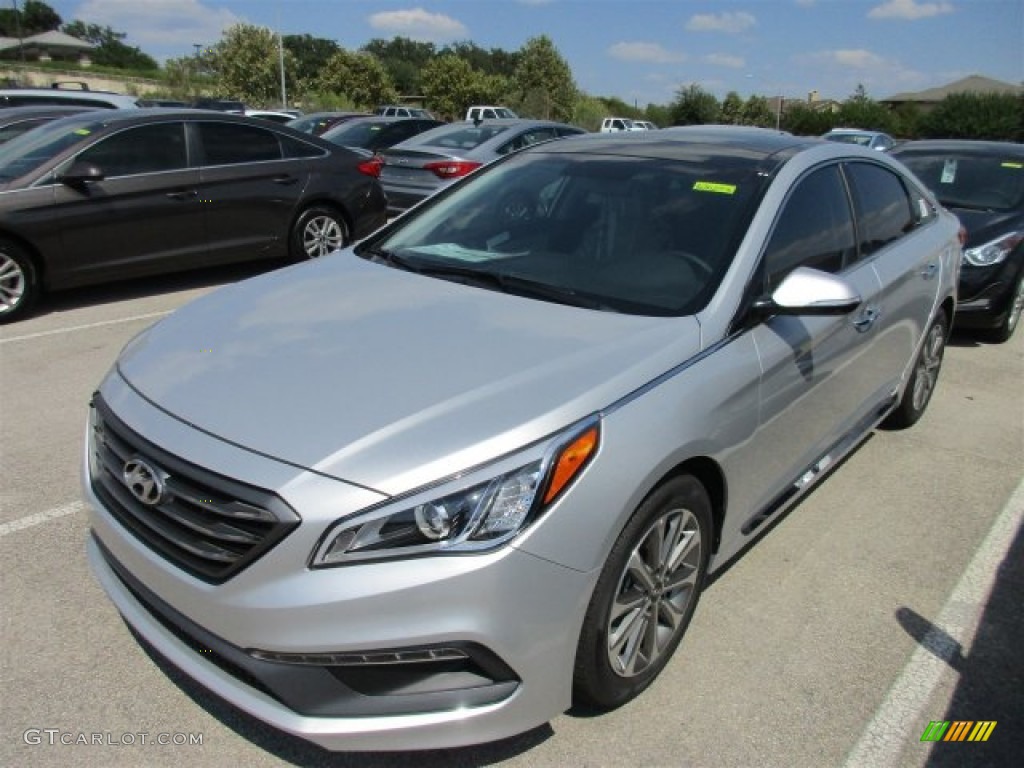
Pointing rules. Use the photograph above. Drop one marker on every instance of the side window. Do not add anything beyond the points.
(884, 212)
(234, 143)
(295, 148)
(143, 149)
(526, 139)
(815, 228)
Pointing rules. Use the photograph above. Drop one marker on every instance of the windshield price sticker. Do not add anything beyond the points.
(712, 186)
(948, 172)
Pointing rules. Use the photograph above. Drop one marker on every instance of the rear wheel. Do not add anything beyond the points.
(318, 231)
(646, 594)
(19, 281)
(924, 377)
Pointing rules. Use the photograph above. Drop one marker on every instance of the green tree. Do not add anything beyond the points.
(801, 119)
(404, 59)
(311, 55)
(757, 112)
(110, 50)
(245, 65)
(988, 116)
(694, 106)
(860, 111)
(32, 18)
(659, 114)
(543, 81)
(450, 85)
(358, 75)
(588, 111)
(732, 109)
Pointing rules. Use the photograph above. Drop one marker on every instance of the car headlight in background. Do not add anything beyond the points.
(993, 252)
(474, 519)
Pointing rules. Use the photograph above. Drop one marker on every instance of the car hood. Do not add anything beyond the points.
(984, 226)
(391, 379)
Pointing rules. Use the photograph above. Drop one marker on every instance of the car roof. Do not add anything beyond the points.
(962, 145)
(122, 100)
(9, 114)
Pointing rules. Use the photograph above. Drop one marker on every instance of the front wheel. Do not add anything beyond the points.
(925, 376)
(19, 282)
(645, 595)
(318, 231)
(1005, 330)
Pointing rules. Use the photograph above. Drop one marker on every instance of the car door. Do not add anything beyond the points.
(819, 374)
(906, 256)
(142, 217)
(249, 190)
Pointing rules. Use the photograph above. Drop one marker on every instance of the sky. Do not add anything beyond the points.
(641, 51)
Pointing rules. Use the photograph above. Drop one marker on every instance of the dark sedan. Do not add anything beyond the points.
(982, 182)
(376, 133)
(109, 195)
(318, 123)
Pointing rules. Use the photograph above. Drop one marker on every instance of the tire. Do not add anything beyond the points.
(318, 230)
(1004, 330)
(19, 281)
(925, 376)
(645, 595)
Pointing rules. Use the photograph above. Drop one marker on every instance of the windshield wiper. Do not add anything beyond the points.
(517, 285)
(384, 256)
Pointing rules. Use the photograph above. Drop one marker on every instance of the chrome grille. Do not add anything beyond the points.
(206, 524)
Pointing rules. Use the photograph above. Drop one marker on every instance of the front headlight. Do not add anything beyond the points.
(473, 519)
(994, 252)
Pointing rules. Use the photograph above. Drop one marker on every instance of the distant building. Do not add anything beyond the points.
(975, 84)
(47, 46)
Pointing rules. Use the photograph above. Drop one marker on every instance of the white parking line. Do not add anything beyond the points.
(41, 517)
(885, 737)
(72, 328)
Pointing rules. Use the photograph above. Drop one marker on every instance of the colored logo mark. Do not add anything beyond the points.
(958, 730)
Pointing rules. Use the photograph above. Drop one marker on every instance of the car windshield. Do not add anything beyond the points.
(469, 137)
(992, 182)
(639, 236)
(31, 150)
(861, 139)
(356, 134)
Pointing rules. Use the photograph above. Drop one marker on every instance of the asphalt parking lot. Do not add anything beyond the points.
(890, 598)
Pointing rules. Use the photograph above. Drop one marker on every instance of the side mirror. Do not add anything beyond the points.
(807, 291)
(80, 173)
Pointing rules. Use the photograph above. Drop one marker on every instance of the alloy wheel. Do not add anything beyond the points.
(653, 593)
(928, 363)
(322, 235)
(12, 283)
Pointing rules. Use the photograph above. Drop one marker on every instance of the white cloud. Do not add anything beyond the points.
(909, 9)
(732, 23)
(647, 52)
(841, 70)
(163, 23)
(726, 60)
(419, 24)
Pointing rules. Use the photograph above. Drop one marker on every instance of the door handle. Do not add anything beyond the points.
(930, 271)
(866, 319)
(183, 195)
(285, 179)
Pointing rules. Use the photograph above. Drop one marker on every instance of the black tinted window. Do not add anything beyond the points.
(527, 138)
(233, 143)
(967, 180)
(814, 230)
(143, 149)
(295, 148)
(884, 212)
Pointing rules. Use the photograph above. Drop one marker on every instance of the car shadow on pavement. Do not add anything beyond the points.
(991, 673)
(143, 287)
(296, 751)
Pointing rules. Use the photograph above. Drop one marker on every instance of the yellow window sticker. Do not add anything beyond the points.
(713, 186)
(82, 132)
(1013, 165)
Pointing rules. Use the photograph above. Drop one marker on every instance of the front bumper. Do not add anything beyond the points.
(515, 616)
(985, 294)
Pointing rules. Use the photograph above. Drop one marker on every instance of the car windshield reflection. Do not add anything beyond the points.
(643, 237)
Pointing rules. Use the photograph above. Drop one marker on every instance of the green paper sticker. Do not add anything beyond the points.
(82, 132)
(712, 186)
(1013, 165)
